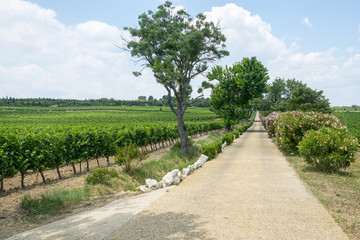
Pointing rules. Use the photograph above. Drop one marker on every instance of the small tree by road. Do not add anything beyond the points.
(177, 48)
(236, 86)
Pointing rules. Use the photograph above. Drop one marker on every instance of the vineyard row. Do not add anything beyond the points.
(22, 150)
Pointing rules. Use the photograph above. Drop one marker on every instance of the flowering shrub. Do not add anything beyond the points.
(290, 127)
(268, 123)
(99, 176)
(328, 149)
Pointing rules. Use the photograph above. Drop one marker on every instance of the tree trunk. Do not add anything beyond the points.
(2, 185)
(58, 171)
(228, 128)
(80, 166)
(22, 180)
(43, 177)
(97, 160)
(108, 161)
(183, 135)
(74, 169)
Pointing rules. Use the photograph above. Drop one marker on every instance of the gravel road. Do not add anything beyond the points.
(248, 192)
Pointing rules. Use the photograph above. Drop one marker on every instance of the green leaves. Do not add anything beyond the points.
(236, 86)
(329, 148)
(292, 95)
(176, 48)
(129, 157)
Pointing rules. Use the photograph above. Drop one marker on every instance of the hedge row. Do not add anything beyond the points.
(212, 149)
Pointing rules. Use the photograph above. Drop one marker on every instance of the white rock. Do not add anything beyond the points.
(171, 178)
(161, 184)
(224, 145)
(200, 161)
(204, 157)
(151, 183)
(197, 164)
(185, 172)
(143, 188)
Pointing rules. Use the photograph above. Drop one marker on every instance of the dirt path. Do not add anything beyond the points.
(248, 192)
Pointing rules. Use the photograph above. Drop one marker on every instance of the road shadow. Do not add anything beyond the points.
(162, 226)
(256, 130)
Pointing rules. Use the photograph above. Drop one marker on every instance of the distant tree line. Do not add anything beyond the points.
(51, 102)
(291, 95)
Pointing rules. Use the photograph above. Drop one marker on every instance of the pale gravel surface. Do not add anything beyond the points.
(248, 192)
(94, 224)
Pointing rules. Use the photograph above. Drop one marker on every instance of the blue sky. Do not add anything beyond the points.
(65, 49)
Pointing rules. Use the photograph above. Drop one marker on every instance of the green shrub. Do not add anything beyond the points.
(249, 125)
(328, 149)
(99, 176)
(212, 149)
(129, 157)
(209, 151)
(229, 138)
(241, 130)
(236, 133)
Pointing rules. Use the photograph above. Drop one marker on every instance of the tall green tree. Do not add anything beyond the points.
(225, 95)
(177, 48)
(236, 86)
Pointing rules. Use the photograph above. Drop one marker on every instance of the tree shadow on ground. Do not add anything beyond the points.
(256, 130)
(162, 226)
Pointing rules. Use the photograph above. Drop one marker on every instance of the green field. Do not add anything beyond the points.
(96, 116)
(351, 120)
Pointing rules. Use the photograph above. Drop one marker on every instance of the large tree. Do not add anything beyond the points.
(176, 48)
(236, 86)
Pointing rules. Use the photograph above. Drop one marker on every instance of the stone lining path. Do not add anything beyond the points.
(248, 192)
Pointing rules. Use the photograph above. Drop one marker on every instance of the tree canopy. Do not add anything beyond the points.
(177, 48)
(291, 94)
(236, 86)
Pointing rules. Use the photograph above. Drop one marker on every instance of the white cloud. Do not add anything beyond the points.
(307, 22)
(247, 35)
(41, 57)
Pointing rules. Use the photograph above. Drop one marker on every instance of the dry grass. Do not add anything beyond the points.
(338, 192)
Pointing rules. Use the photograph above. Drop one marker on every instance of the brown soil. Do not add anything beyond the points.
(13, 219)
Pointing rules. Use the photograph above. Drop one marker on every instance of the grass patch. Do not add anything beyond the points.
(157, 168)
(338, 192)
(52, 202)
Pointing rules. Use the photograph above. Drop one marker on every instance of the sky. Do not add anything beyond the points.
(69, 49)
